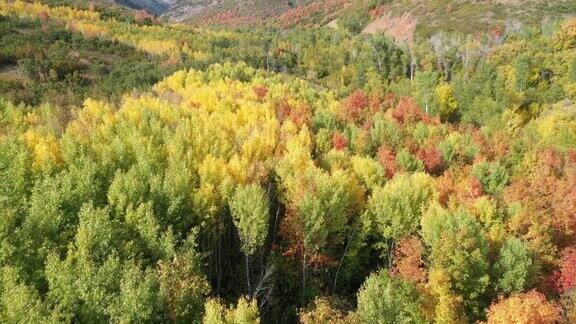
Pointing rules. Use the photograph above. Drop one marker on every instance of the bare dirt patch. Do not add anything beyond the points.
(333, 24)
(400, 28)
(11, 73)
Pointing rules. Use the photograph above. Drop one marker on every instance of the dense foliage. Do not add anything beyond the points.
(155, 173)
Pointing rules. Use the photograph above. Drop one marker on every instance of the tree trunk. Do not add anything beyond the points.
(219, 265)
(391, 255)
(303, 276)
(247, 273)
(341, 260)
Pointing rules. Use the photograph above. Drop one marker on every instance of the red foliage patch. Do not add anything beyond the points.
(355, 106)
(388, 160)
(299, 114)
(496, 32)
(377, 12)
(301, 14)
(432, 159)
(389, 101)
(407, 111)
(567, 274)
(549, 189)
(551, 160)
(319, 260)
(475, 188)
(408, 262)
(291, 231)
(142, 15)
(339, 141)
(445, 188)
(44, 19)
(359, 108)
(234, 17)
(571, 157)
(260, 92)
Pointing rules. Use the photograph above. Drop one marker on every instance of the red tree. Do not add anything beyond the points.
(339, 141)
(408, 262)
(432, 159)
(567, 273)
(388, 160)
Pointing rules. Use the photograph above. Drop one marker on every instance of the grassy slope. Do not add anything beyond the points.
(232, 12)
(47, 63)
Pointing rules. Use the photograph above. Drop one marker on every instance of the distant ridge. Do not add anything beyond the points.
(156, 7)
(418, 18)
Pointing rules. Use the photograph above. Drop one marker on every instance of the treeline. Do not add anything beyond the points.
(472, 70)
(501, 70)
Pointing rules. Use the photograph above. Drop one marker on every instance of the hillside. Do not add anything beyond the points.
(402, 19)
(467, 17)
(228, 12)
(237, 13)
(156, 7)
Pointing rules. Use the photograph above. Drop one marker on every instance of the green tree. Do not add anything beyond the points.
(139, 299)
(409, 162)
(249, 208)
(572, 71)
(323, 212)
(514, 267)
(81, 285)
(493, 176)
(183, 286)
(396, 208)
(369, 171)
(447, 102)
(425, 83)
(383, 299)
(15, 188)
(458, 246)
(523, 72)
(153, 242)
(19, 303)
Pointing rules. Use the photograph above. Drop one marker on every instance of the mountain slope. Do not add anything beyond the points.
(469, 17)
(156, 7)
(228, 12)
(402, 19)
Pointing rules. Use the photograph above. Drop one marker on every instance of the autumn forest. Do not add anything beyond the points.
(340, 162)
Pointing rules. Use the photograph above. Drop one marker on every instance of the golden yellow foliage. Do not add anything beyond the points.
(448, 103)
(147, 38)
(89, 29)
(448, 305)
(565, 38)
(322, 312)
(45, 149)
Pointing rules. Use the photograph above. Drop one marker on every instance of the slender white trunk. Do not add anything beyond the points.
(247, 273)
(303, 275)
